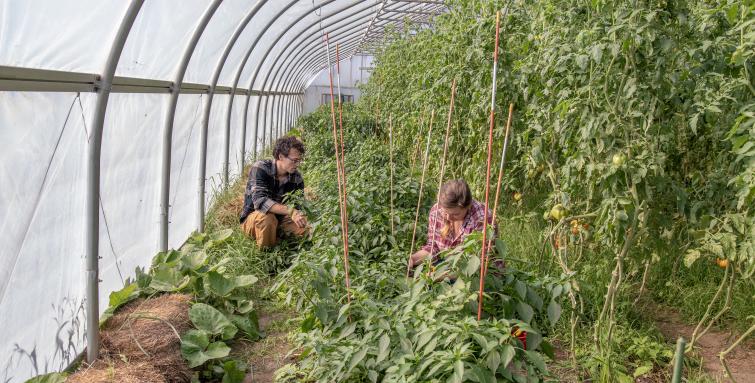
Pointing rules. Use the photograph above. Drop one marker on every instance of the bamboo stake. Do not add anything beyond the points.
(340, 116)
(345, 210)
(500, 177)
(390, 150)
(487, 177)
(338, 171)
(415, 153)
(445, 152)
(421, 188)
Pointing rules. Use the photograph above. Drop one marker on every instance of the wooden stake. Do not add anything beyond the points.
(421, 188)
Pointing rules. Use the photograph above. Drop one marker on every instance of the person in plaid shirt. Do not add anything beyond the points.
(455, 216)
(264, 216)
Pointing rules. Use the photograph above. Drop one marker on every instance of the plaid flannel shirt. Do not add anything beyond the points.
(263, 190)
(473, 221)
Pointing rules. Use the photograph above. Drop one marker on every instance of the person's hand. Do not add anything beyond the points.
(299, 219)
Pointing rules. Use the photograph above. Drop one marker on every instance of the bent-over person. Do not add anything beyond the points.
(451, 219)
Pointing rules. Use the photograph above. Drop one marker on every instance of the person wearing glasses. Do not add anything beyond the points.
(264, 217)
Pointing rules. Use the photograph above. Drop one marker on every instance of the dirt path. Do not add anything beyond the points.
(741, 361)
(268, 354)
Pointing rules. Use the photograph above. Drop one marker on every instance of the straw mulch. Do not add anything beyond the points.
(227, 214)
(117, 371)
(139, 343)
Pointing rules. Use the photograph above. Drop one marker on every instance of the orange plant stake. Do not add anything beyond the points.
(487, 177)
(500, 177)
(338, 171)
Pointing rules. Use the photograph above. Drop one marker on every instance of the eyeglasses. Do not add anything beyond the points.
(295, 160)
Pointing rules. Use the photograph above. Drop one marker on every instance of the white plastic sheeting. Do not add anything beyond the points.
(156, 42)
(42, 226)
(185, 168)
(130, 184)
(45, 125)
(40, 34)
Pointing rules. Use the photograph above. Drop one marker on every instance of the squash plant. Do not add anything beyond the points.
(220, 310)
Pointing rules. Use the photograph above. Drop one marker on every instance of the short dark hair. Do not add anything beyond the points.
(284, 145)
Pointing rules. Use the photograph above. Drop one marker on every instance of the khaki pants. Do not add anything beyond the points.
(264, 228)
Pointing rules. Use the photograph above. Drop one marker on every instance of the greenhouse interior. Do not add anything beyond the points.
(377, 191)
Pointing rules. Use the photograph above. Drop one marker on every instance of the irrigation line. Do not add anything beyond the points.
(421, 188)
(500, 178)
(487, 177)
(445, 153)
(338, 171)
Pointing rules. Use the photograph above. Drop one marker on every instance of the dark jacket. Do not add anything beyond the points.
(263, 190)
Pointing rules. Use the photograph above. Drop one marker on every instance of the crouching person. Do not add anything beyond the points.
(265, 218)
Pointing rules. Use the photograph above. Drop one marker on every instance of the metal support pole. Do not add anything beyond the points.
(311, 46)
(289, 113)
(257, 70)
(94, 155)
(206, 113)
(258, 104)
(240, 69)
(169, 118)
(678, 360)
(313, 59)
(281, 116)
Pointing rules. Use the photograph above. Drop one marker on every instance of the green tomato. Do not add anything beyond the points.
(618, 159)
(557, 212)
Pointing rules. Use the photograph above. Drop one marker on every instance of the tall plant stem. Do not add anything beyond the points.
(483, 253)
(722, 355)
(729, 283)
(616, 277)
(644, 279)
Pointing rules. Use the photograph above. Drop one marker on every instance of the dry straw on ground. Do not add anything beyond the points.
(117, 371)
(141, 340)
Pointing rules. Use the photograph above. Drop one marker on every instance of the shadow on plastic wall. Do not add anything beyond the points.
(70, 338)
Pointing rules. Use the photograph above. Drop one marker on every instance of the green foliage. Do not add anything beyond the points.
(53, 377)
(398, 329)
(222, 309)
(637, 116)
